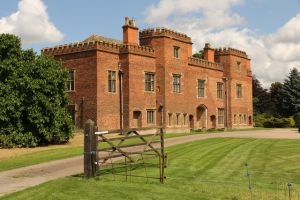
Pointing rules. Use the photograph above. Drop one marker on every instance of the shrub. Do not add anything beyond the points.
(277, 123)
(259, 119)
(268, 121)
(297, 119)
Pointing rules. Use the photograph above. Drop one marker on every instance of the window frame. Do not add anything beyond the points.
(239, 66)
(176, 83)
(149, 83)
(150, 116)
(176, 52)
(177, 119)
(170, 119)
(111, 82)
(245, 119)
(184, 119)
(221, 116)
(71, 81)
(220, 90)
(234, 118)
(239, 91)
(201, 90)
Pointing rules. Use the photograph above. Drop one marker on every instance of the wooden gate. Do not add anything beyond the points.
(125, 147)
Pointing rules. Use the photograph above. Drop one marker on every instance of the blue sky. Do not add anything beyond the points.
(259, 27)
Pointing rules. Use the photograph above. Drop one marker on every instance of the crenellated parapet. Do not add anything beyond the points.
(101, 46)
(206, 64)
(231, 51)
(81, 47)
(164, 32)
(139, 50)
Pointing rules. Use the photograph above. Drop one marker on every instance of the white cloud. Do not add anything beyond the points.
(285, 43)
(31, 22)
(272, 56)
(216, 14)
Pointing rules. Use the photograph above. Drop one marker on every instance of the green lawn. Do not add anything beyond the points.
(61, 153)
(39, 157)
(205, 169)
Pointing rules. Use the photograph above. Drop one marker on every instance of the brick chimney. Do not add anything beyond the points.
(209, 53)
(130, 32)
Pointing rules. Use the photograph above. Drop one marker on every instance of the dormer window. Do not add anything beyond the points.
(176, 51)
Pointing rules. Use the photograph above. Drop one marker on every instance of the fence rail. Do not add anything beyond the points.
(115, 148)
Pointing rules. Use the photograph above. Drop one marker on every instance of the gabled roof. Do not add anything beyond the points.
(94, 38)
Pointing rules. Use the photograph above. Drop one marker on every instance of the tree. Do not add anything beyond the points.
(32, 97)
(261, 98)
(199, 54)
(277, 95)
(291, 89)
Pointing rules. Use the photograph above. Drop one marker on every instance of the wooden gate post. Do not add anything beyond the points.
(90, 149)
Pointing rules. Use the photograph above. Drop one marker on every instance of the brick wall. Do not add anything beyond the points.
(92, 61)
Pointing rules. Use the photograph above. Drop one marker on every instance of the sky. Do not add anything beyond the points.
(268, 30)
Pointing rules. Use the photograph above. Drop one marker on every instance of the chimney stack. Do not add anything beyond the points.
(209, 53)
(130, 32)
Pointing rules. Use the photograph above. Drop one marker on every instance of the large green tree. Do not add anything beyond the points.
(32, 97)
(291, 90)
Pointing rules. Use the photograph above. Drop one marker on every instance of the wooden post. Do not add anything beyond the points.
(162, 143)
(90, 149)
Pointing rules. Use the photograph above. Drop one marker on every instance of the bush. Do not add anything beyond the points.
(277, 123)
(259, 119)
(297, 119)
(268, 121)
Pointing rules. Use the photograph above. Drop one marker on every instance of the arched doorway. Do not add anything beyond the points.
(201, 117)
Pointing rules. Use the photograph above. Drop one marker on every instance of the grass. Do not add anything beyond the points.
(62, 153)
(39, 157)
(205, 169)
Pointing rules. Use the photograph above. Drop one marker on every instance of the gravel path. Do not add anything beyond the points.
(21, 178)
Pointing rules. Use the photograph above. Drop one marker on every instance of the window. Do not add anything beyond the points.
(170, 119)
(201, 88)
(150, 116)
(234, 118)
(176, 83)
(240, 118)
(71, 81)
(238, 66)
(220, 90)
(177, 119)
(149, 81)
(176, 51)
(238, 90)
(245, 119)
(220, 116)
(112, 81)
(184, 119)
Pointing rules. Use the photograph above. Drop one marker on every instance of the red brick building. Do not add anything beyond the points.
(159, 76)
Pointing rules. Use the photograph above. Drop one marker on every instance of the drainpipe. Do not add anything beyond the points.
(121, 97)
(227, 108)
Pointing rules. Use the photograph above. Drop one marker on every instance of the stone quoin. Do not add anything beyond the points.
(159, 75)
